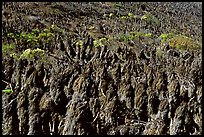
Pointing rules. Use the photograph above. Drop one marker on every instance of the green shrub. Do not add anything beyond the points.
(164, 37)
(33, 38)
(30, 54)
(7, 48)
(182, 42)
(7, 91)
(149, 18)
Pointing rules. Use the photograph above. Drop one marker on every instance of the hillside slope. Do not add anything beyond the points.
(102, 68)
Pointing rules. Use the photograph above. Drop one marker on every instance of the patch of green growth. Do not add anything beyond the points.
(29, 54)
(164, 37)
(111, 14)
(14, 55)
(45, 36)
(129, 16)
(110, 38)
(179, 42)
(33, 38)
(124, 17)
(149, 18)
(179, 47)
(108, 15)
(132, 35)
(183, 42)
(7, 48)
(102, 39)
(148, 35)
(79, 43)
(97, 43)
(7, 91)
(10, 35)
(105, 15)
(100, 42)
(125, 37)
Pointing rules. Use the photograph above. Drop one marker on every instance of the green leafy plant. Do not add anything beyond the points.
(108, 15)
(7, 47)
(14, 55)
(129, 16)
(132, 35)
(10, 35)
(8, 50)
(102, 39)
(34, 38)
(149, 18)
(79, 43)
(183, 42)
(179, 42)
(111, 14)
(7, 90)
(97, 43)
(30, 54)
(164, 37)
